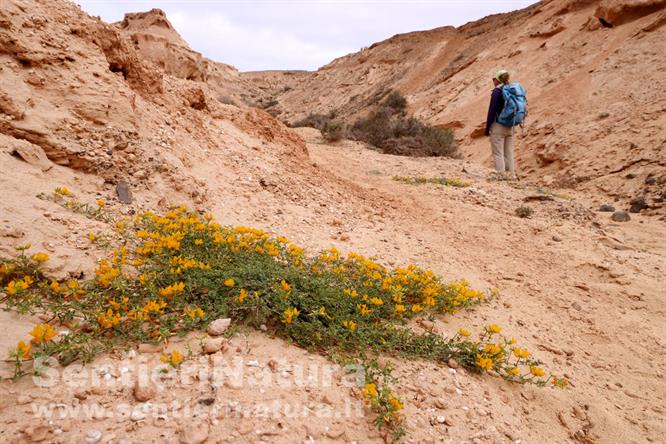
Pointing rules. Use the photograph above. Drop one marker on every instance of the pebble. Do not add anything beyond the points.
(149, 348)
(452, 363)
(93, 436)
(441, 419)
(137, 415)
(194, 433)
(219, 326)
(620, 216)
(607, 208)
(36, 434)
(212, 345)
(143, 392)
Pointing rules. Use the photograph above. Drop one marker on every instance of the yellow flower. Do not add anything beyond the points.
(515, 371)
(101, 203)
(63, 191)
(23, 350)
(493, 328)
(198, 242)
(464, 332)
(42, 333)
(22, 247)
(322, 310)
(289, 315)
(493, 349)
(40, 257)
(363, 309)
(395, 403)
(229, 282)
(351, 325)
(521, 353)
(174, 358)
(285, 286)
(242, 296)
(54, 286)
(376, 301)
(416, 308)
(370, 391)
(92, 237)
(399, 308)
(536, 371)
(484, 363)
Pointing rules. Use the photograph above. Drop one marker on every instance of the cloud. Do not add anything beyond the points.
(252, 48)
(298, 34)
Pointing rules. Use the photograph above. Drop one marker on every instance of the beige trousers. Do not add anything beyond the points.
(501, 142)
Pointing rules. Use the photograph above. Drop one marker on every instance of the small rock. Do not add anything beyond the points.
(557, 238)
(219, 326)
(621, 216)
(194, 433)
(212, 345)
(440, 404)
(448, 422)
(137, 415)
(631, 176)
(637, 204)
(441, 419)
(143, 391)
(93, 436)
(576, 306)
(428, 325)
(453, 363)
(124, 192)
(344, 237)
(149, 348)
(650, 180)
(607, 208)
(23, 399)
(336, 433)
(36, 434)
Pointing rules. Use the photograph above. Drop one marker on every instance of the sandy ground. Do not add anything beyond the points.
(584, 293)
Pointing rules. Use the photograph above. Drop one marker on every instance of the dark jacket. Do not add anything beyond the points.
(495, 108)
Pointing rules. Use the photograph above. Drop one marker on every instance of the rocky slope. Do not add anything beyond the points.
(593, 71)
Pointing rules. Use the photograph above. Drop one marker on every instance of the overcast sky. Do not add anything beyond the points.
(297, 34)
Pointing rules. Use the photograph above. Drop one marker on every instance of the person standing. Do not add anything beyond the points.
(501, 136)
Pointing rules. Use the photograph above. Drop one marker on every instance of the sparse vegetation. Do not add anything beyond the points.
(450, 182)
(331, 128)
(175, 273)
(524, 212)
(388, 128)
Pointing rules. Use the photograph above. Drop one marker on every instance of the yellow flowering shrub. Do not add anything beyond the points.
(176, 272)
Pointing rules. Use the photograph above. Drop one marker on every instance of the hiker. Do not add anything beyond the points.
(501, 136)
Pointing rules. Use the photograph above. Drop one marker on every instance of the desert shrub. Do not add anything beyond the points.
(394, 133)
(396, 101)
(333, 131)
(331, 128)
(524, 212)
(315, 120)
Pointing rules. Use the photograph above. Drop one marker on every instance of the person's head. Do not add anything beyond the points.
(501, 77)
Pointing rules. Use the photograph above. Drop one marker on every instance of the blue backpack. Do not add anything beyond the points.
(515, 105)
